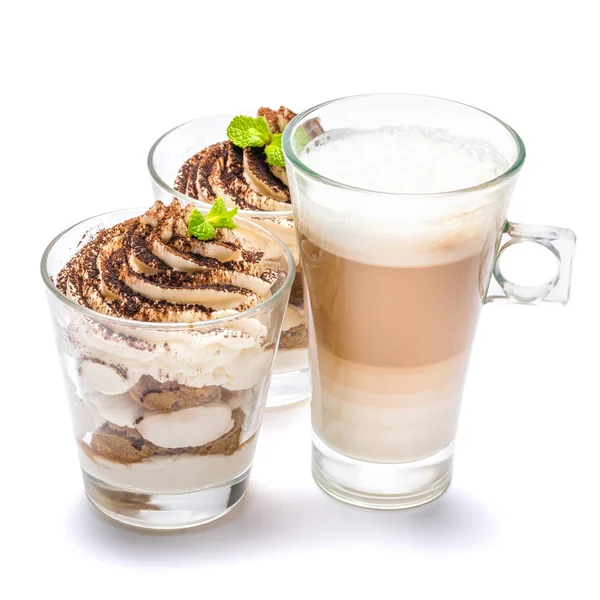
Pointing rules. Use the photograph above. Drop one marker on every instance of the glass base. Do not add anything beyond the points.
(386, 486)
(288, 388)
(165, 511)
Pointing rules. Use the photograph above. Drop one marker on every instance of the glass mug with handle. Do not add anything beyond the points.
(400, 203)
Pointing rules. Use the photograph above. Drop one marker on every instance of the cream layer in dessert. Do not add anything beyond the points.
(170, 474)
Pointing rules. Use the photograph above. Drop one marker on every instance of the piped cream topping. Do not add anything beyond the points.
(242, 178)
(150, 269)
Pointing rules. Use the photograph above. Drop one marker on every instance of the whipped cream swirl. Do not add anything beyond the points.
(242, 177)
(150, 269)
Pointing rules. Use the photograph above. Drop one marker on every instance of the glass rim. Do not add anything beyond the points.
(293, 158)
(169, 189)
(172, 326)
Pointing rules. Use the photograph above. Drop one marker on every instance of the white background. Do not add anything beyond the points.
(87, 89)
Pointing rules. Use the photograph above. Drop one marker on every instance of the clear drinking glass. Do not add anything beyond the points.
(394, 286)
(119, 373)
(290, 382)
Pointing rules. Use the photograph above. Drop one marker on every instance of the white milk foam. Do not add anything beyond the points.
(408, 229)
(404, 160)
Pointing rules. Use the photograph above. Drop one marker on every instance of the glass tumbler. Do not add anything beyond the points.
(126, 381)
(290, 382)
(395, 280)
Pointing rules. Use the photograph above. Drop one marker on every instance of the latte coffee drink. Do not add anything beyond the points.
(398, 228)
(394, 313)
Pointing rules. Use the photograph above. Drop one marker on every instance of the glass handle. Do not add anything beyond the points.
(559, 241)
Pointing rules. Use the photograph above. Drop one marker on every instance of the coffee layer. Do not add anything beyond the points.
(394, 317)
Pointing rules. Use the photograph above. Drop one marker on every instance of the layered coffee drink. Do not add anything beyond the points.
(394, 284)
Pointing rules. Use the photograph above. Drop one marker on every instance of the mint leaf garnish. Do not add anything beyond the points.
(218, 217)
(196, 219)
(198, 227)
(248, 131)
(274, 152)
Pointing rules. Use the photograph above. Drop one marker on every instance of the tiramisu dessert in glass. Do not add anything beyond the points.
(167, 324)
(239, 159)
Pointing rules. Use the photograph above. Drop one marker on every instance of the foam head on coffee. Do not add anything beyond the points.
(397, 223)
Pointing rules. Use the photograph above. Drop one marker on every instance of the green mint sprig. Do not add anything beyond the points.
(274, 152)
(218, 217)
(250, 131)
